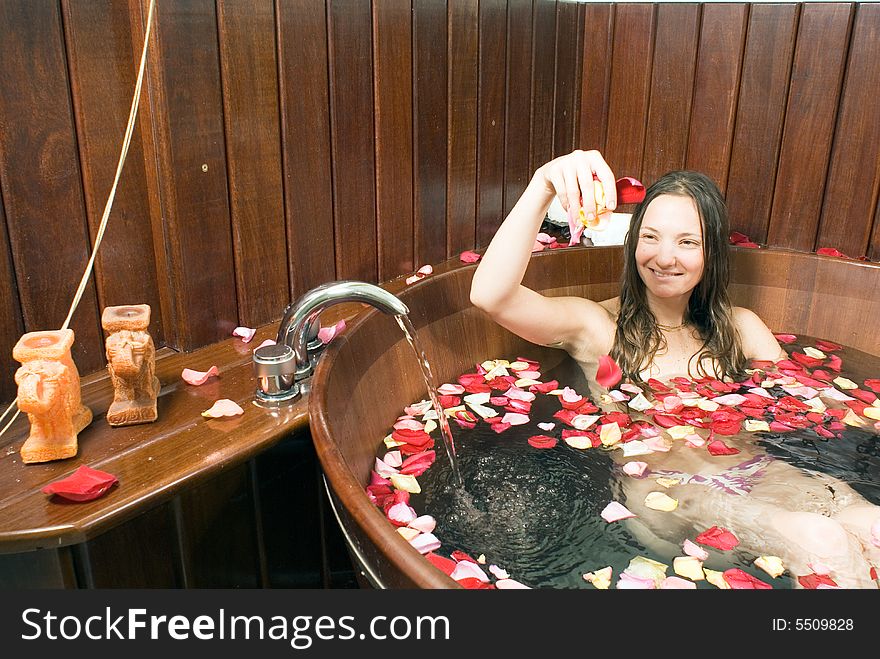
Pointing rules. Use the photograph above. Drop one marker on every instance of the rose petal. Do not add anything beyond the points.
(740, 580)
(469, 257)
(246, 333)
(198, 377)
(635, 468)
(694, 550)
(326, 334)
(718, 537)
(223, 407)
(84, 484)
(608, 373)
(615, 511)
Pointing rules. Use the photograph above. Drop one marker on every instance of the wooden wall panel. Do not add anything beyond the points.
(490, 108)
(430, 129)
(517, 171)
(595, 75)
(722, 33)
(461, 172)
(393, 93)
(630, 87)
(41, 178)
(352, 138)
(103, 70)
(11, 326)
(305, 135)
(249, 69)
(543, 78)
(816, 77)
(567, 57)
(191, 153)
(854, 172)
(759, 115)
(672, 89)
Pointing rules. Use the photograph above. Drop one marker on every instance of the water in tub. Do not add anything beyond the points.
(798, 482)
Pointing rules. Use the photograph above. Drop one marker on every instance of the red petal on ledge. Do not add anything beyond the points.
(84, 484)
(629, 190)
(830, 251)
(737, 238)
(469, 257)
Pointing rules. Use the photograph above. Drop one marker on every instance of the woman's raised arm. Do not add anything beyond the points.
(497, 284)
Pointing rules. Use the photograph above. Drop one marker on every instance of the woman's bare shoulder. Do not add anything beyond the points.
(757, 339)
(612, 306)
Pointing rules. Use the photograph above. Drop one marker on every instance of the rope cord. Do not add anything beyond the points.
(129, 130)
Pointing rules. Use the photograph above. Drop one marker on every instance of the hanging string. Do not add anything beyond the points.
(129, 130)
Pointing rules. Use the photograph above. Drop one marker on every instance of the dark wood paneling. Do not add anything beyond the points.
(672, 89)
(490, 132)
(351, 132)
(461, 175)
(567, 56)
(11, 327)
(216, 522)
(809, 124)
(759, 117)
(249, 70)
(519, 101)
(596, 75)
(722, 34)
(41, 179)
(392, 57)
(305, 131)
(120, 558)
(192, 169)
(430, 126)
(854, 173)
(103, 64)
(630, 88)
(44, 568)
(543, 80)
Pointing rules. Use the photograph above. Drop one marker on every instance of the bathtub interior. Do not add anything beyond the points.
(371, 373)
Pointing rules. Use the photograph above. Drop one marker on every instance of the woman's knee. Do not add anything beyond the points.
(816, 534)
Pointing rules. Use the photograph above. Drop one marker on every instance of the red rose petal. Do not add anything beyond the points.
(812, 581)
(737, 238)
(717, 447)
(442, 563)
(629, 190)
(609, 373)
(469, 257)
(827, 346)
(873, 385)
(542, 441)
(84, 484)
(785, 338)
(830, 251)
(718, 537)
(741, 580)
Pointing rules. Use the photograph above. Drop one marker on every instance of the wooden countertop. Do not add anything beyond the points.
(153, 461)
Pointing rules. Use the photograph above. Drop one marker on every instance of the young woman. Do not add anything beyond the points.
(673, 318)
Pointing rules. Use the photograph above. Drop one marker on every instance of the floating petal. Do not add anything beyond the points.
(660, 501)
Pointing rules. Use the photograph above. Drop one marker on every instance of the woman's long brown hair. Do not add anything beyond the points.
(638, 336)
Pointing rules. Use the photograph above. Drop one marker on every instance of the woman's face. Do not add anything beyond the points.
(669, 250)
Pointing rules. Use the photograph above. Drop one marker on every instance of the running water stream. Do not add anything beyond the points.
(431, 383)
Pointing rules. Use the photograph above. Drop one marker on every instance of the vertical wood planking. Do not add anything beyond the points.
(854, 173)
(393, 90)
(461, 175)
(759, 116)
(596, 75)
(567, 56)
(517, 171)
(192, 170)
(809, 125)
(672, 89)
(630, 88)
(490, 127)
(352, 139)
(719, 59)
(103, 72)
(305, 135)
(430, 129)
(249, 70)
(11, 327)
(41, 178)
(543, 79)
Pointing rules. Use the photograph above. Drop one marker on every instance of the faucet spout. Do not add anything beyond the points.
(299, 329)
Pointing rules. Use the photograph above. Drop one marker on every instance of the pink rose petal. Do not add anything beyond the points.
(223, 407)
(267, 342)
(515, 419)
(677, 583)
(510, 584)
(425, 270)
(425, 543)
(246, 333)
(198, 377)
(635, 468)
(401, 514)
(469, 257)
(629, 582)
(326, 334)
(615, 511)
(694, 550)
(423, 523)
(469, 569)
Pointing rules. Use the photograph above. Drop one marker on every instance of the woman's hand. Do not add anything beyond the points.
(572, 178)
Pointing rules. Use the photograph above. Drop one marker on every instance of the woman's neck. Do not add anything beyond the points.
(669, 312)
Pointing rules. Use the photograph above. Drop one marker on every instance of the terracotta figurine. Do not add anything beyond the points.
(48, 391)
(131, 358)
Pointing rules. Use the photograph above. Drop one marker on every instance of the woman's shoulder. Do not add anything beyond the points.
(612, 306)
(757, 339)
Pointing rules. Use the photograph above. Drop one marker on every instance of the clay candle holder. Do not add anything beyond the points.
(48, 391)
(131, 360)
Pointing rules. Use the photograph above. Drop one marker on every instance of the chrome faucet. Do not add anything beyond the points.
(283, 369)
